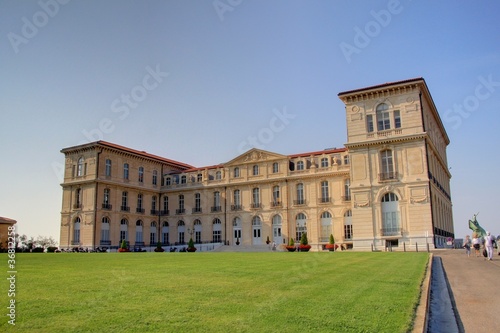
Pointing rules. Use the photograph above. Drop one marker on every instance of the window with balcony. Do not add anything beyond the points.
(383, 119)
(347, 189)
(152, 233)
(181, 209)
(300, 199)
(141, 175)
(197, 203)
(325, 193)
(181, 232)
(106, 203)
(276, 196)
(139, 209)
(78, 198)
(387, 165)
(165, 206)
(326, 226)
(125, 206)
(255, 198)
(153, 205)
(216, 207)
(236, 200)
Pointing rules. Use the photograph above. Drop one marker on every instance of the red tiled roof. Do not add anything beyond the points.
(378, 86)
(7, 220)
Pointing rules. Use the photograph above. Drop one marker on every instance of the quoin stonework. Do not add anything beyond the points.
(389, 186)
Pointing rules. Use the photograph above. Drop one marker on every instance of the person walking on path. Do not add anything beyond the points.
(467, 245)
(477, 245)
(488, 244)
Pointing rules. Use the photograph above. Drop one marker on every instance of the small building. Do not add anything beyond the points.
(7, 229)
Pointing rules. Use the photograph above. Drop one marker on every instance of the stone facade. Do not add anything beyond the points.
(389, 186)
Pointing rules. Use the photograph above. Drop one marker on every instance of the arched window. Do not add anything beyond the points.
(383, 120)
(105, 230)
(277, 226)
(76, 232)
(326, 226)
(123, 230)
(164, 233)
(79, 168)
(391, 225)
(138, 232)
(237, 230)
(181, 229)
(256, 230)
(301, 226)
(197, 231)
(216, 231)
(348, 225)
(255, 170)
(152, 233)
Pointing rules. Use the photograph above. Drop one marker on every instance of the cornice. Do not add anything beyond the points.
(361, 144)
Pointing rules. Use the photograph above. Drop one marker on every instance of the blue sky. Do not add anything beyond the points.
(195, 81)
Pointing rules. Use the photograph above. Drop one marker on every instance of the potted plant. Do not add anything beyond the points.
(331, 246)
(191, 247)
(159, 248)
(267, 240)
(291, 245)
(123, 247)
(304, 244)
(237, 241)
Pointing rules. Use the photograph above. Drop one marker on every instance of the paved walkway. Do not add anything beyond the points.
(474, 285)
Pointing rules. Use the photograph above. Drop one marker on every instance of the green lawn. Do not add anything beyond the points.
(214, 292)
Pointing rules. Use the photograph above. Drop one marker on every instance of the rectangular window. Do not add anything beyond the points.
(125, 171)
(104, 235)
(369, 123)
(383, 121)
(397, 119)
(324, 192)
(155, 177)
(108, 168)
(348, 231)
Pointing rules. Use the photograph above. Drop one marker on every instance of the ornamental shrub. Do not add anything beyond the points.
(303, 239)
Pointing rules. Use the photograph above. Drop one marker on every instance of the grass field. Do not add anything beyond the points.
(214, 292)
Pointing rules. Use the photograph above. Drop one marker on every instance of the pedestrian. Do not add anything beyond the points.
(476, 242)
(467, 245)
(488, 244)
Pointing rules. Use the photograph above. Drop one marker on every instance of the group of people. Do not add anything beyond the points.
(488, 243)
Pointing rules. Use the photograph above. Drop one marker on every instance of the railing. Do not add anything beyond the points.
(180, 211)
(388, 176)
(390, 231)
(154, 212)
(77, 206)
(276, 203)
(105, 242)
(106, 206)
(324, 200)
(125, 208)
(140, 210)
(165, 212)
(299, 202)
(197, 210)
(346, 198)
(75, 242)
(236, 207)
(216, 209)
(256, 206)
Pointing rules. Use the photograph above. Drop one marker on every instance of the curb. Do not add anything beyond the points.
(422, 311)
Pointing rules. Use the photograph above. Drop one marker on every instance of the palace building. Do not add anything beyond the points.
(388, 187)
